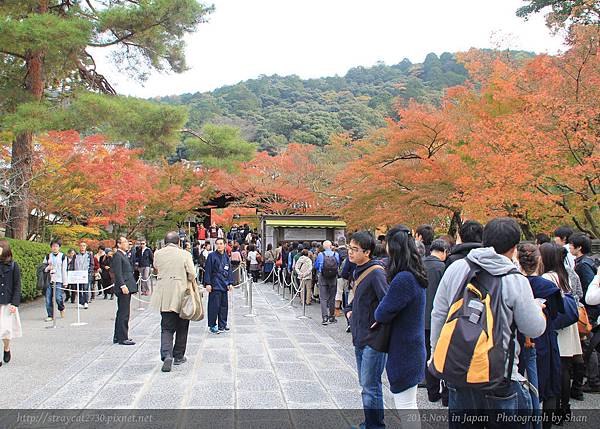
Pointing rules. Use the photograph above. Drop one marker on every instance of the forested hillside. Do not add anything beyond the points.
(273, 111)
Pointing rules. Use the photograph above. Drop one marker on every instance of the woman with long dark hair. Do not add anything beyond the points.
(403, 308)
(569, 345)
(539, 357)
(10, 298)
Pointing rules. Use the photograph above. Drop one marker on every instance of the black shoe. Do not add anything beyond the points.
(224, 329)
(332, 319)
(180, 361)
(578, 396)
(434, 397)
(348, 329)
(444, 402)
(325, 321)
(7, 356)
(105, 296)
(127, 343)
(167, 363)
(115, 341)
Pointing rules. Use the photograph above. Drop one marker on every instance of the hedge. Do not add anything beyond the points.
(28, 255)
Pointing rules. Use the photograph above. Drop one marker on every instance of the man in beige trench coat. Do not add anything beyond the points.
(175, 269)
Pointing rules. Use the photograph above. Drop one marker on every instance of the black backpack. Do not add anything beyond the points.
(330, 267)
(43, 277)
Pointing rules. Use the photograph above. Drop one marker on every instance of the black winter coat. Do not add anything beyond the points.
(10, 284)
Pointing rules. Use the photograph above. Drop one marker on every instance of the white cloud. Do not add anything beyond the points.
(315, 38)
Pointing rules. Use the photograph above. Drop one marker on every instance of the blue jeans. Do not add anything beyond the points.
(370, 364)
(508, 407)
(83, 293)
(59, 299)
(529, 356)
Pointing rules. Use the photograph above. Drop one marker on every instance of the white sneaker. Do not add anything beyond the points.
(85, 305)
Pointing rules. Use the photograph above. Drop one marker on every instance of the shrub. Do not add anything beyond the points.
(28, 255)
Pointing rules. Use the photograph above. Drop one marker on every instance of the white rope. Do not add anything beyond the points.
(82, 290)
(297, 290)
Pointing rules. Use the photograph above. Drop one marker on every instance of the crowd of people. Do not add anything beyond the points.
(484, 323)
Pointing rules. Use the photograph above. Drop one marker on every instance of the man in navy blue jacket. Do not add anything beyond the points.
(218, 278)
(368, 291)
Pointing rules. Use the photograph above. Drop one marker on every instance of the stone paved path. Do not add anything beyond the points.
(273, 361)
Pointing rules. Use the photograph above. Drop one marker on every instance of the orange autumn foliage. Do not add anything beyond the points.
(520, 140)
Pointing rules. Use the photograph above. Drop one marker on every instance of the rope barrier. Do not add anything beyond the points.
(292, 284)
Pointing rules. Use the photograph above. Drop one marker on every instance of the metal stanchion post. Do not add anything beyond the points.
(79, 322)
(140, 307)
(303, 297)
(278, 279)
(250, 312)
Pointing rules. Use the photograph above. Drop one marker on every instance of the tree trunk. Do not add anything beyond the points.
(20, 176)
(22, 150)
(455, 223)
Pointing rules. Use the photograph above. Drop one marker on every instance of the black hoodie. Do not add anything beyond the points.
(460, 251)
(366, 299)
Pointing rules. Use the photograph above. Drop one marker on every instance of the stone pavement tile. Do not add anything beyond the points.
(221, 355)
(75, 394)
(214, 418)
(141, 372)
(306, 392)
(348, 399)
(280, 343)
(315, 348)
(157, 399)
(117, 351)
(260, 400)
(307, 339)
(253, 362)
(266, 424)
(116, 395)
(266, 318)
(324, 362)
(214, 371)
(244, 329)
(218, 341)
(293, 371)
(319, 417)
(256, 380)
(286, 355)
(212, 394)
(254, 348)
(273, 333)
(245, 321)
(247, 338)
(337, 378)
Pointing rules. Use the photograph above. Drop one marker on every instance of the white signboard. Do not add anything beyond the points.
(77, 277)
(305, 234)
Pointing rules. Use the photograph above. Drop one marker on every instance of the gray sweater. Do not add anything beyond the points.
(518, 302)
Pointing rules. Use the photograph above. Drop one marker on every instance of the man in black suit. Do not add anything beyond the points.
(124, 286)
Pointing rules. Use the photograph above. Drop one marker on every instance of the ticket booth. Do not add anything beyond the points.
(286, 229)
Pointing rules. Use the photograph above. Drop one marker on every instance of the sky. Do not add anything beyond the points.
(315, 38)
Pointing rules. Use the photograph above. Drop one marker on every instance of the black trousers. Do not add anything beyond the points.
(218, 307)
(431, 381)
(567, 366)
(171, 325)
(122, 319)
